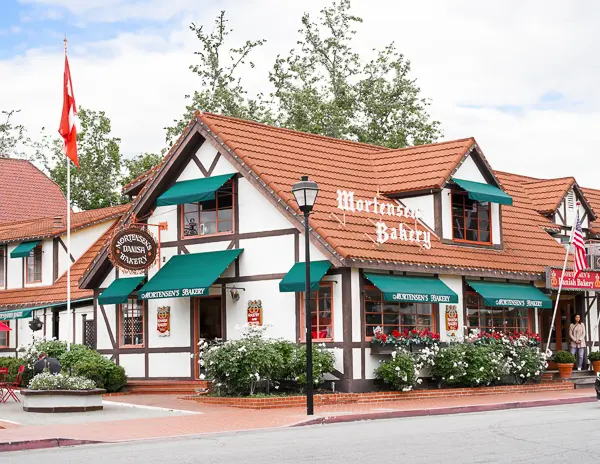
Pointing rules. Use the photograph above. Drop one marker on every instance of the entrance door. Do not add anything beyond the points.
(208, 322)
(560, 335)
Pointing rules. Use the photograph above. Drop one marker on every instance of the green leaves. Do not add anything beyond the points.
(322, 87)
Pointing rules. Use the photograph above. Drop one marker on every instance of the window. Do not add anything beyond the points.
(395, 315)
(321, 311)
(4, 337)
(211, 216)
(34, 265)
(470, 219)
(132, 323)
(3, 266)
(490, 319)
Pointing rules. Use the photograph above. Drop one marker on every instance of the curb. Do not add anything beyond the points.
(43, 444)
(442, 411)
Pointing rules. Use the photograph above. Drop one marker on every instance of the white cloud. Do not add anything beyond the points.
(470, 57)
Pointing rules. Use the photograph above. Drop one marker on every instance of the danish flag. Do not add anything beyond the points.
(67, 127)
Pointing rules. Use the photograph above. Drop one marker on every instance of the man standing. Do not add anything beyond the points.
(44, 362)
(577, 335)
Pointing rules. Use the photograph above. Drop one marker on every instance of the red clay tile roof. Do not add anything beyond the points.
(593, 197)
(27, 193)
(44, 227)
(547, 194)
(281, 156)
(56, 293)
(419, 168)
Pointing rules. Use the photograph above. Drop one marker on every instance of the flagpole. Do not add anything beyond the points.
(560, 284)
(69, 315)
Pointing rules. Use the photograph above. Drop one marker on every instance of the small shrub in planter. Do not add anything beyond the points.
(47, 381)
(398, 372)
(564, 357)
(13, 365)
(594, 358)
(565, 362)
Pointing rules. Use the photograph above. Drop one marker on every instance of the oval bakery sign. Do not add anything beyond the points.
(133, 249)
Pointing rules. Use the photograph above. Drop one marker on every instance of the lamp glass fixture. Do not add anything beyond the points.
(305, 192)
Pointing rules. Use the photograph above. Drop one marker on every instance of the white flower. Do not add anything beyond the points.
(419, 381)
(201, 376)
(397, 368)
(192, 355)
(451, 377)
(481, 369)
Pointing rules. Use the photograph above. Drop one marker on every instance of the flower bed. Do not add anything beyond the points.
(61, 393)
(275, 402)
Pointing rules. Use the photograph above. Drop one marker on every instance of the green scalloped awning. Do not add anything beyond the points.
(23, 249)
(118, 291)
(501, 294)
(193, 191)
(413, 289)
(484, 192)
(188, 275)
(295, 279)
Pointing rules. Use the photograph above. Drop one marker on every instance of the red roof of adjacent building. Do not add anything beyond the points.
(27, 193)
(56, 293)
(54, 226)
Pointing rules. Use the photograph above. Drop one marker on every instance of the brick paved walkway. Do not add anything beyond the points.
(216, 419)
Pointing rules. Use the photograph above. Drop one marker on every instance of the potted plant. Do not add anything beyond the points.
(565, 361)
(594, 358)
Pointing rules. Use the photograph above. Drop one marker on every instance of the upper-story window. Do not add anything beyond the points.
(33, 265)
(212, 216)
(470, 219)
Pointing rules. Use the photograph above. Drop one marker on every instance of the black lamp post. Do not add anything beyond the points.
(306, 192)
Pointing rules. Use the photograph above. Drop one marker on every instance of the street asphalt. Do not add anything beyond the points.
(548, 435)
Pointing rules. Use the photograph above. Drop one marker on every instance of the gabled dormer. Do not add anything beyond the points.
(557, 200)
(471, 201)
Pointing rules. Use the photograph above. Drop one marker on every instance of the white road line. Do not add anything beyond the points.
(143, 406)
(10, 422)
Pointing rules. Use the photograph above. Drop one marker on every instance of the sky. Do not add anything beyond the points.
(521, 76)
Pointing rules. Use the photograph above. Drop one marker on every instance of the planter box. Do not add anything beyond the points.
(62, 400)
(382, 349)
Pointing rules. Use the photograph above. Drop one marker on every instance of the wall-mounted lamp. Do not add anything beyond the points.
(235, 295)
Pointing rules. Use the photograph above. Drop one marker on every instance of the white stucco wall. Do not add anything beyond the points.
(81, 241)
(134, 364)
(102, 334)
(423, 203)
(169, 365)
(468, 170)
(446, 214)
(180, 323)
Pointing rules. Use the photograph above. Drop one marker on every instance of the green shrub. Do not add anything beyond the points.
(564, 357)
(450, 366)
(80, 360)
(594, 356)
(253, 363)
(399, 371)
(322, 361)
(13, 365)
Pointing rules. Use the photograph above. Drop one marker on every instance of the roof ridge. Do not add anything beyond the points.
(284, 129)
(412, 147)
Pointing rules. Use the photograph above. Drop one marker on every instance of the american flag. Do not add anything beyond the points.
(579, 251)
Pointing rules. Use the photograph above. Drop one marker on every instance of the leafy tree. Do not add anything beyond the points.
(325, 88)
(138, 165)
(97, 181)
(13, 137)
(218, 69)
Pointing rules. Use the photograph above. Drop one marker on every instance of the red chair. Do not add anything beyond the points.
(11, 387)
(3, 374)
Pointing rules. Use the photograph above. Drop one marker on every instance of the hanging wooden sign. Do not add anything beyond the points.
(254, 312)
(451, 318)
(163, 321)
(133, 249)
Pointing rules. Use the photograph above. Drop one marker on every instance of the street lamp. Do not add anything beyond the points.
(306, 192)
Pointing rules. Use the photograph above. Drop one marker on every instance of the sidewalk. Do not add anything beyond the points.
(209, 419)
